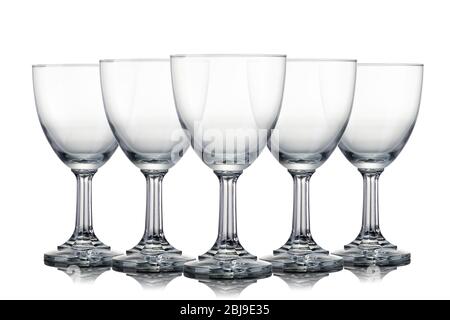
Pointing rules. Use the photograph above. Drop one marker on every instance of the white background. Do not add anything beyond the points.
(37, 198)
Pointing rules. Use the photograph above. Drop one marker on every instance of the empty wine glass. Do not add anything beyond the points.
(385, 108)
(316, 107)
(69, 105)
(228, 104)
(139, 105)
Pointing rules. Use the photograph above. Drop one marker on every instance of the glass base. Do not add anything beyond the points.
(374, 241)
(235, 249)
(373, 250)
(84, 242)
(379, 256)
(304, 244)
(303, 255)
(227, 267)
(80, 257)
(149, 262)
(160, 245)
(304, 262)
(81, 250)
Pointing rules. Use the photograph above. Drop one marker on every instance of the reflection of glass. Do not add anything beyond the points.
(69, 105)
(317, 103)
(228, 104)
(138, 101)
(84, 275)
(385, 109)
(228, 288)
(155, 281)
(297, 281)
(371, 273)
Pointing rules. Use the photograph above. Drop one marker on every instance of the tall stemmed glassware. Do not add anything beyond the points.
(69, 105)
(228, 104)
(316, 107)
(139, 105)
(385, 109)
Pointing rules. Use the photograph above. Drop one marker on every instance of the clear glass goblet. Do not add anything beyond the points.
(228, 104)
(69, 105)
(138, 100)
(316, 107)
(385, 108)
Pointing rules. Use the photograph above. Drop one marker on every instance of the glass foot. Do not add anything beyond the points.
(303, 244)
(362, 256)
(83, 242)
(303, 255)
(80, 257)
(160, 245)
(228, 267)
(82, 250)
(235, 249)
(149, 262)
(305, 262)
(368, 242)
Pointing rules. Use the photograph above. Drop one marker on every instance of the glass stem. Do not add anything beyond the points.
(227, 238)
(83, 224)
(154, 214)
(370, 223)
(301, 233)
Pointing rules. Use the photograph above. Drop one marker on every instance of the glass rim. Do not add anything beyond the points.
(135, 60)
(64, 65)
(319, 60)
(389, 64)
(228, 55)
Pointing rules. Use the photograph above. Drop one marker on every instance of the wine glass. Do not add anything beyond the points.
(386, 104)
(228, 104)
(69, 105)
(138, 100)
(316, 107)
